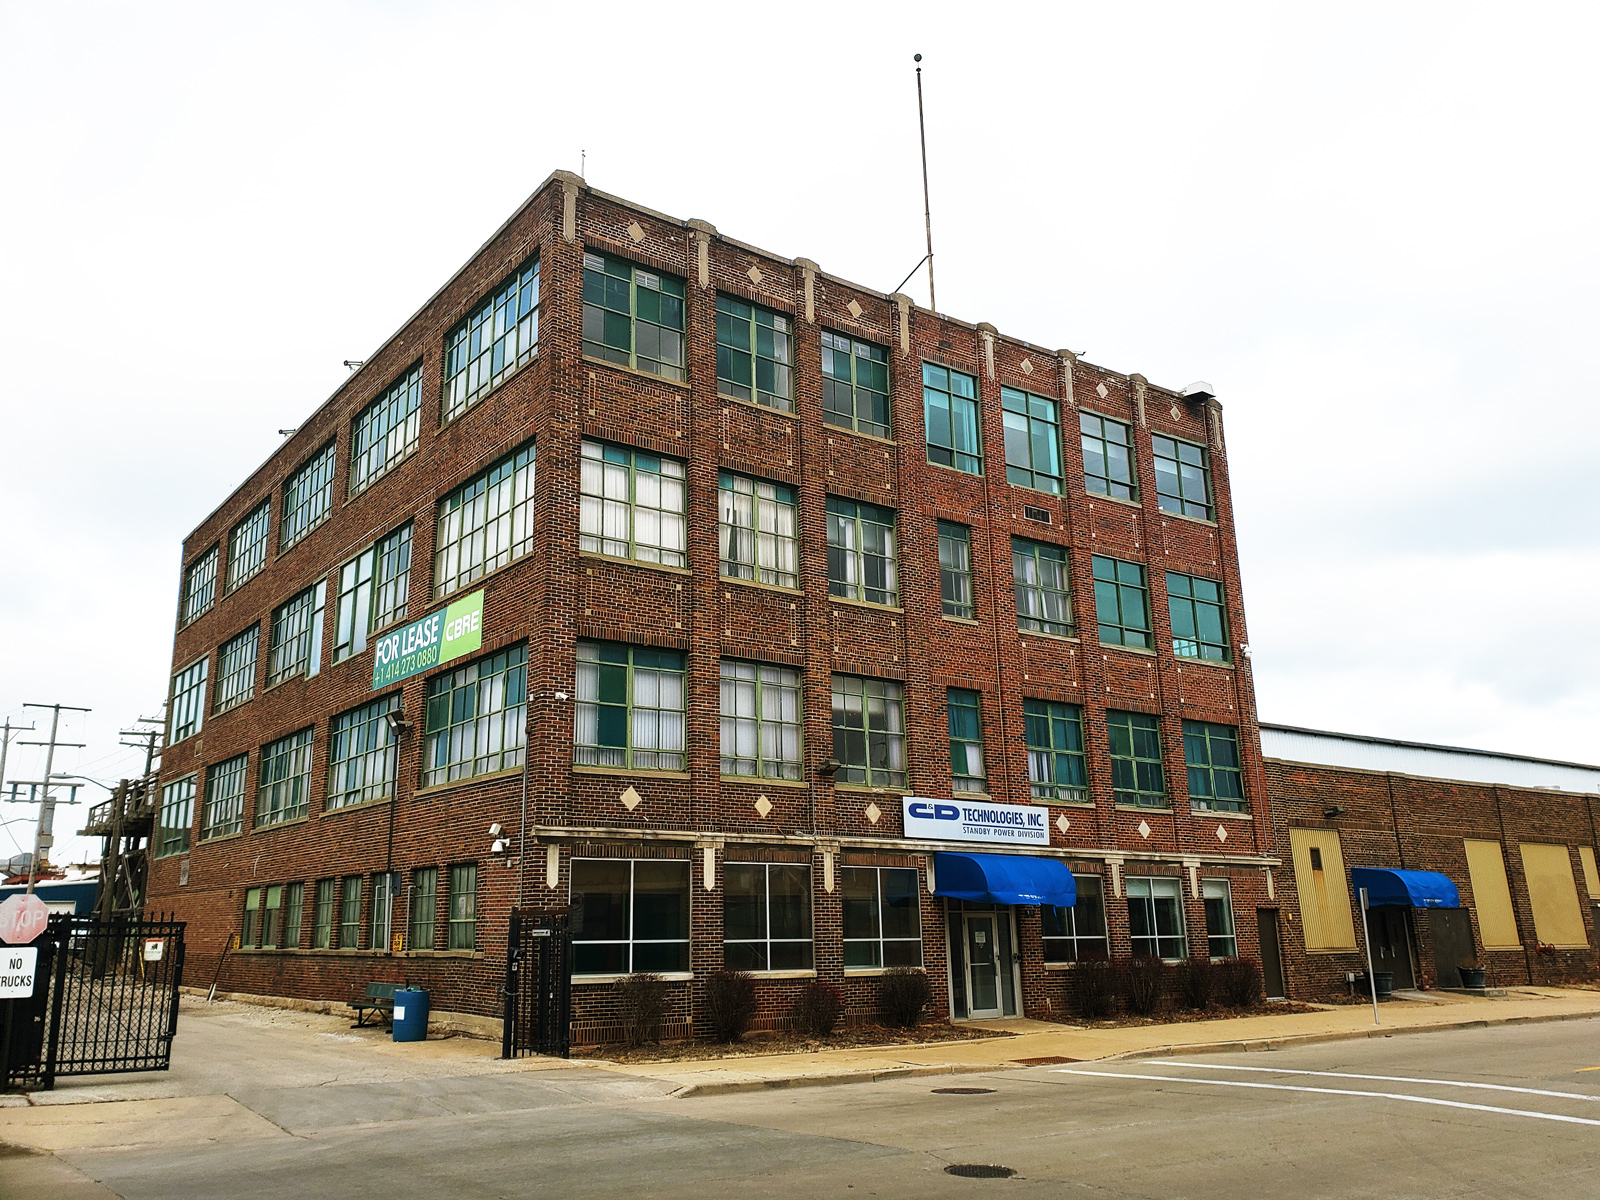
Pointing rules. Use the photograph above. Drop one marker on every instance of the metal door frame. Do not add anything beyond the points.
(993, 918)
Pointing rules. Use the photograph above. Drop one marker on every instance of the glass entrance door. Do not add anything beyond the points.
(983, 965)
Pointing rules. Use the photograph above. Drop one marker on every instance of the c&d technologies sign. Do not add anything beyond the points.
(970, 821)
(437, 638)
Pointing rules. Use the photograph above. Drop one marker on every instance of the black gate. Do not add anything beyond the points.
(538, 991)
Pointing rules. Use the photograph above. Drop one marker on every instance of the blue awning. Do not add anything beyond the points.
(1003, 879)
(1407, 889)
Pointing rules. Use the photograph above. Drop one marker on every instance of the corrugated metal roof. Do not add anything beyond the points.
(1293, 744)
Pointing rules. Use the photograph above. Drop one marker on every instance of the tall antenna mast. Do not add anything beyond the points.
(927, 210)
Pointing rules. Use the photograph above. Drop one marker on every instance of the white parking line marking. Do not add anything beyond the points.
(1492, 1087)
(1286, 1087)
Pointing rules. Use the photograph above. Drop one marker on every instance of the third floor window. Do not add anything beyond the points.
(855, 384)
(247, 544)
(485, 523)
(296, 646)
(754, 354)
(386, 430)
(757, 530)
(1199, 623)
(494, 340)
(372, 592)
(1033, 441)
(1039, 571)
(861, 559)
(955, 570)
(632, 505)
(307, 497)
(633, 316)
(950, 411)
(1121, 602)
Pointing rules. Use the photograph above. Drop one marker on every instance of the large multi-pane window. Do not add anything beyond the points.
(373, 589)
(760, 720)
(630, 710)
(247, 544)
(766, 917)
(493, 340)
(175, 817)
(362, 754)
(283, 786)
(1121, 602)
(1033, 440)
(186, 709)
(485, 523)
(1218, 898)
(758, 530)
(462, 931)
(965, 709)
(307, 497)
(294, 898)
(855, 384)
(477, 718)
(861, 557)
(754, 354)
(322, 916)
(633, 316)
(629, 916)
(882, 917)
(1199, 622)
(199, 586)
(1136, 774)
(1054, 734)
(869, 737)
(1183, 477)
(224, 810)
(424, 906)
(271, 917)
(1108, 456)
(1155, 916)
(296, 646)
(350, 913)
(250, 933)
(1044, 604)
(1211, 752)
(382, 910)
(955, 570)
(386, 430)
(950, 413)
(632, 505)
(236, 670)
(1077, 933)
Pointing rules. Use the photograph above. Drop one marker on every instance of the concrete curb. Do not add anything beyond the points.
(799, 1081)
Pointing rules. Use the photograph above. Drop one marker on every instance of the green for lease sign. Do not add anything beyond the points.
(437, 638)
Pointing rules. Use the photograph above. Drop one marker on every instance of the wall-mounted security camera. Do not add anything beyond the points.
(830, 766)
(495, 830)
(397, 722)
(561, 695)
(1332, 811)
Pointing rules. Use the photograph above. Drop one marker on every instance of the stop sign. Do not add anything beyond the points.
(22, 918)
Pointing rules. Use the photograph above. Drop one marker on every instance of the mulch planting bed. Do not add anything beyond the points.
(1185, 1016)
(855, 1037)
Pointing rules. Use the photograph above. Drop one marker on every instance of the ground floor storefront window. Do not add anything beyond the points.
(629, 916)
(882, 919)
(1076, 933)
(766, 917)
(1155, 917)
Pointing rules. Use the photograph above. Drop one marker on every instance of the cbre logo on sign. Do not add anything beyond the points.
(434, 639)
(958, 821)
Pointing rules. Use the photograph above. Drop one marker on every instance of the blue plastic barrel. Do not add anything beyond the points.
(410, 1015)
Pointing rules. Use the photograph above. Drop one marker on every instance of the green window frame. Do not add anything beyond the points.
(882, 917)
(1108, 460)
(382, 915)
(632, 505)
(296, 645)
(374, 589)
(755, 354)
(1121, 602)
(1221, 939)
(955, 571)
(1155, 916)
(490, 343)
(758, 527)
(761, 720)
(861, 552)
(477, 718)
(855, 384)
(322, 916)
(462, 927)
(224, 807)
(1044, 597)
(766, 916)
(186, 710)
(283, 786)
(869, 731)
(633, 316)
(1078, 933)
(294, 895)
(1216, 777)
(424, 907)
(250, 928)
(630, 915)
(199, 586)
(486, 523)
(363, 756)
(1053, 733)
(350, 913)
(247, 544)
(1033, 440)
(1198, 616)
(386, 431)
(175, 817)
(630, 708)
(964, 708)
(1137, 776)
(236, 670)
(271, 912)
(952, 418)
(307, 496)
(1183, 477)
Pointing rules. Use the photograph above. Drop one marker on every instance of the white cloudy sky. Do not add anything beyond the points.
(1370, 226)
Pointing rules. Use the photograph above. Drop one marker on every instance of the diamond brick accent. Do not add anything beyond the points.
(763, 805)
(635, 231)
(1144, 829)
(1027, 367)
(755, 274)
(630, 798)
(1222, 834)
(1101, 390)
(1062, 823)
(855, 309)
(873, 813)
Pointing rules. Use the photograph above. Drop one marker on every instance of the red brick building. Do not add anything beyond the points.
(734, 562)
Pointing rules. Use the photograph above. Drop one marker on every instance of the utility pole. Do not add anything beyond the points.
(44, 833)
(6, 732)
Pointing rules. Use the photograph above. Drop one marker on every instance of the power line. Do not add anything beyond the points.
(44, 832)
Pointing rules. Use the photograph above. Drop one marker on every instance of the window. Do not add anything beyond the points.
(382, 910)
(1121, 603)
(283, 791)
(766, 917)
(294, 895)
(760, 720)
(485, 523)
(1054, 735)
(1108, 456)
(494, 340)
(632, 316)
(1219, 918)
(1199, 625)
(477, 718)
(1211, 753)
(753, 354)
(1033, 441)
(249, 935)
(629, 916)
(955, 570)
(462, 932)
(296, 647)
(307, 497)
(950, 413)
(362, 755)
(247, 544)
(350, 913)
(882, 919)
(424, 906)
(861, 560)
(186, 709)
(236, 670)
(1043, 603)
(869, 731)
(199, 586)
(373, 590)
(322, 916)
(1076, 933)
(632, 505)
(386, 430)
(855, 384)
(1183, 479)
(224, 811)
(271, 911)
(966, 740)
(757, 527)
(1136, 775)
(1155, 916)
(630, 707)
(177, 814)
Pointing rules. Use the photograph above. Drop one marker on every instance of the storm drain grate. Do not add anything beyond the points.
(979, 1171)
(962, 1091)
(1044, 1060)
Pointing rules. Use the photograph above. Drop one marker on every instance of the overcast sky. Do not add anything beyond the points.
(1372, 228)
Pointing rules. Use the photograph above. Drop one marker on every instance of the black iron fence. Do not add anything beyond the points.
(538, 991)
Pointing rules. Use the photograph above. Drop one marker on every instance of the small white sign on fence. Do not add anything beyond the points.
(154, 948)
(17, 964)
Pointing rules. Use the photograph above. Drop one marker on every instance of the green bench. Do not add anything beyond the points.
(379, 999)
